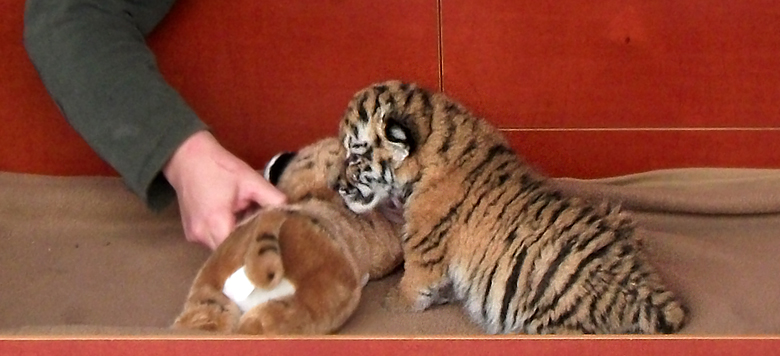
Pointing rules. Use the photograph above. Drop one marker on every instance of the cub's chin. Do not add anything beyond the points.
(362, 202)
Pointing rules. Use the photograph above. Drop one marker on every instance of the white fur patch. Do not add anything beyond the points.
(364, 189)
(399, 155)
(360, 207)
(397, 134)
(240, 290)
(347, 138)
(363, 134)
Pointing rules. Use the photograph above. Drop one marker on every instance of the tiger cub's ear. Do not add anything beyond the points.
(276, 166)
(400, 137)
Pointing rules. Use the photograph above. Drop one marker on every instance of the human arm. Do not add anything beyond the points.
(94, 61)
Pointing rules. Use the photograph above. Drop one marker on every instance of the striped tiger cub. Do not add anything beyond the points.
(483, 228)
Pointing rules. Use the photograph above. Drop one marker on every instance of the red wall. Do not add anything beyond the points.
(619, 86)
(581, 88)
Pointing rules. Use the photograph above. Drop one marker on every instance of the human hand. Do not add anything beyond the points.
(213, 186)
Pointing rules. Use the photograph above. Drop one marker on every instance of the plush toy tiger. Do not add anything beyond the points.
(483, 228)
(322, 249)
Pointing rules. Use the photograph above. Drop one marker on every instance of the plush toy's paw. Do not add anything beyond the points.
(211, 314)
(277, 317)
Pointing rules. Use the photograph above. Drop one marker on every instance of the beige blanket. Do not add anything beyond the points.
(82, 255)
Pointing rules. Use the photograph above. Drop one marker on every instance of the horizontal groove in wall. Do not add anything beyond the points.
(603, 153)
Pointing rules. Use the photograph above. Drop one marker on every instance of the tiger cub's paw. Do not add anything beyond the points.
(418, 291)
(400, 299)
(211, 314)
(396, 303)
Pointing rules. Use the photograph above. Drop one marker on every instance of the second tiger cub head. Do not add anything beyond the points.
(382, 133)
(300, 174)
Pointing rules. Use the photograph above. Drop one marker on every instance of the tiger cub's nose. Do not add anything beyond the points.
(353, 159)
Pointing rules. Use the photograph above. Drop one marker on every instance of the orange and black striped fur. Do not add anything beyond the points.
(483, 228)
(326, 251)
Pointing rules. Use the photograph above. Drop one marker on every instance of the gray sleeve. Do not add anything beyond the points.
(93, 59)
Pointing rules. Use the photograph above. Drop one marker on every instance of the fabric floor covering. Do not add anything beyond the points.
(82, 255)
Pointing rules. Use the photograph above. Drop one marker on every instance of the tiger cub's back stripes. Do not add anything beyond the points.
(483, 226)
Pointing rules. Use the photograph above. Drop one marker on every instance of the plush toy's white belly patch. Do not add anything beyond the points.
(241, 290)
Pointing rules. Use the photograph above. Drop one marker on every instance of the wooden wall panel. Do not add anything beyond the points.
(33, 135)
(265, 75)
(269, 76)
(615, 63)
(593, 89)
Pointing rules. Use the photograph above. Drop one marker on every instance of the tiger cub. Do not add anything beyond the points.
(483, 228)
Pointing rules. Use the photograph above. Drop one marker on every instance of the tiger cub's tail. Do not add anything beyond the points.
(637, 301)
(663, 313)
(658, 310)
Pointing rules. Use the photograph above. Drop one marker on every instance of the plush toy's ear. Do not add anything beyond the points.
(276, 166)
